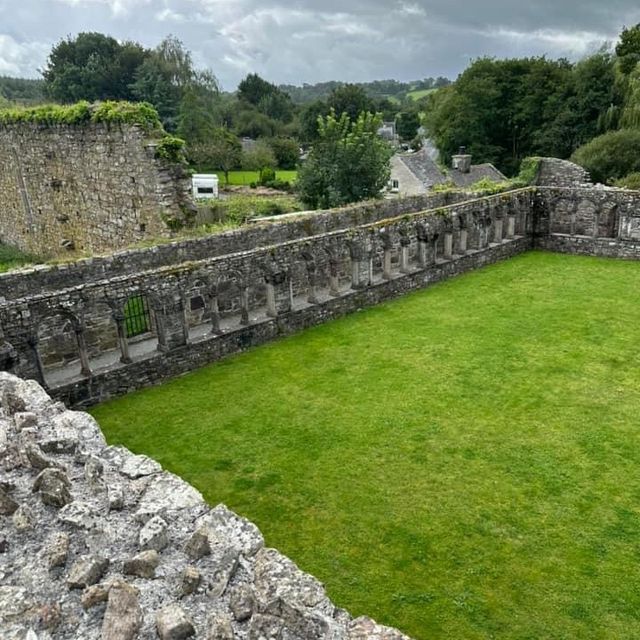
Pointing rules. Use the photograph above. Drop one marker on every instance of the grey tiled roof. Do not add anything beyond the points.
(424, 168)
(478, 172)
(429, 173)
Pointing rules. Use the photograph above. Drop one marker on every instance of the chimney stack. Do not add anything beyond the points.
(462, 161)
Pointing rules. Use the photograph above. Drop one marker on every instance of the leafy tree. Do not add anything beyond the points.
(286, 152)
(259, 157)
(407, 124)
(92, 66)
(505, 110)
(628, 49)
(348, 163)
(309, 118)
(632, 181)
(222, 151)
(198, 114)
(253, 124)
(610, 156)
(350, 99)
(267, 98)
(167, 78)
(277, 106)
(21, 90)
(253, 89)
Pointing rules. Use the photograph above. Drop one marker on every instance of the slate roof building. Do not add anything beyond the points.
(417, 173)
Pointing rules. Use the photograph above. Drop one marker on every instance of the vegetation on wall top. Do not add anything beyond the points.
(141, 114)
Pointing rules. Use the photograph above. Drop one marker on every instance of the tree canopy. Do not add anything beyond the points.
(506, 110)
(349, 162)
(92, 66)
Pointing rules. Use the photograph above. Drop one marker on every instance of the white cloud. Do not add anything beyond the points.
(168, 15)
(576, 43)
(118, 7)
(21, 59)
(314, 40)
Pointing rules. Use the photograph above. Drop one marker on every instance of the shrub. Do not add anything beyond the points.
(111, 112)
(171, 149)
(610, 156)
(267, 174)
(632, 181)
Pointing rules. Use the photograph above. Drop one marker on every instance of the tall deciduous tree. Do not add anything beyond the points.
(221, 151)
(167, 78)
(92, 66)
(349, 162)
(628, 49)
(350, 99)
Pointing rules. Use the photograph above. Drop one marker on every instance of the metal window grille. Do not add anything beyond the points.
(137, 317)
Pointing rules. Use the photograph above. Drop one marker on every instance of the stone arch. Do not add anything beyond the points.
(313, 272)
(233, 295)
(59, 340)
(197, 301)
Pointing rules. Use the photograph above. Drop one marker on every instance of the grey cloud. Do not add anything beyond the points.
(312, 41)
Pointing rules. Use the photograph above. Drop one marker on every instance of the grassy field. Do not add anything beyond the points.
(420, 93)
(462, 463)
(239, 178)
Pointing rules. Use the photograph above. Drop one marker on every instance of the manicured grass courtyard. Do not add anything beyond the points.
(461, 463)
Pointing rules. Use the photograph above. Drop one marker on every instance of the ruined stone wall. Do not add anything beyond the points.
(83, 343)
(84, 188)
(553, 172)
(589, 221)
(261, 234)
(99, 543)
(76, 341)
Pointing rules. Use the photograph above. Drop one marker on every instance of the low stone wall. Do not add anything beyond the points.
(84, 188)
(261, 234)
(96, 542)
(79, 341)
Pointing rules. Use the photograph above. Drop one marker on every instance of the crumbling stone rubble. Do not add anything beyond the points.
(96, 542)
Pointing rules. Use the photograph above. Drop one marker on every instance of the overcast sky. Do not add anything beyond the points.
(295, 42)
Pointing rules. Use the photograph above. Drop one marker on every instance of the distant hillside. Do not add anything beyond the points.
(22, 90)
(392, 89)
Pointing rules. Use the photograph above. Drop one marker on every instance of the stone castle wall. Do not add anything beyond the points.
(84, 188)
(99, 543)
(278, 230)
(76, 340)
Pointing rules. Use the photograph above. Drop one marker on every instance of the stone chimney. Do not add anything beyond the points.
(462, 161)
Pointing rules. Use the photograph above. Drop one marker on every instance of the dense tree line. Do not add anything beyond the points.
(21, 90)
(506, 110)
(379, 89)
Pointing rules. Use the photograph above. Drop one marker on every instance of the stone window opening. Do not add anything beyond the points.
(137, 316)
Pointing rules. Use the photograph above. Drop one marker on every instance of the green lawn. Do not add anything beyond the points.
(461, 463)
(239, 178)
